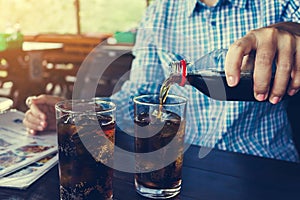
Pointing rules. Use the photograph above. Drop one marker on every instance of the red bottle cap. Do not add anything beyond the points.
(183, 74)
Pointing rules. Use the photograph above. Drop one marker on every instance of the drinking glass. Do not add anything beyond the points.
(159, 145)
(86, 135)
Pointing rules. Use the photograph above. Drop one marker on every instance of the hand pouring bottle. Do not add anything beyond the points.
(207, 75)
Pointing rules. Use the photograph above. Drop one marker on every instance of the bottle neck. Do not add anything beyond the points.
(179, 67)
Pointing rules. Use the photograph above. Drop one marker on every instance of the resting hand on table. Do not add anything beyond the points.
(279, 41)
(41, 113)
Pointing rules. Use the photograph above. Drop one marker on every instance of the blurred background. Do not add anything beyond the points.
(43, 43)
(56, 16)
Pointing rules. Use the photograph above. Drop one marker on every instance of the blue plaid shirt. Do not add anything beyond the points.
(191, 29)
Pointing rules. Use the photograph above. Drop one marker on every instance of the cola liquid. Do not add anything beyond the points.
(83, 148)
(214, 85)
(159, 133)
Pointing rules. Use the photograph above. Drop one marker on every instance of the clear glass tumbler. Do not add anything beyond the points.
(86, 135)
(159, 145)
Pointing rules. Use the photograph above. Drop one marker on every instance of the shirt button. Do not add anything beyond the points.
(208, 13)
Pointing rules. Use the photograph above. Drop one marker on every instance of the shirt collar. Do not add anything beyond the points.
(238, 3)
(192, 4)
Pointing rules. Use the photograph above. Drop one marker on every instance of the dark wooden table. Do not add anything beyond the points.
(219, 175)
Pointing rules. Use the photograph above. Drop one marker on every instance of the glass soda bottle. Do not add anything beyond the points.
(208, 76)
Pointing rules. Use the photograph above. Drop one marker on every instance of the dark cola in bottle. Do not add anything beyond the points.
(208, 76)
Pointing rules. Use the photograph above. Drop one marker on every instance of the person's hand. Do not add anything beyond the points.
(41, 113)
(279, 41)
